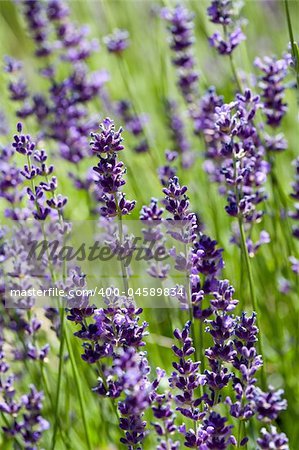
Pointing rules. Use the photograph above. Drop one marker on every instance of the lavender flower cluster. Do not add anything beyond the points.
(181, 25)
(222, 12)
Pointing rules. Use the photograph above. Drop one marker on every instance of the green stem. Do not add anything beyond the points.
(120, 232)
(15, 437)
(59, 381)
(232, 64)
(294, 45)
(79, 390)
(123, 68)
(241, 435)
(252, 294)
(201, 346)
(234, 71)
(114, 407)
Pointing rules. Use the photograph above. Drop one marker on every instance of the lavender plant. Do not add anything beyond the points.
(206, 362)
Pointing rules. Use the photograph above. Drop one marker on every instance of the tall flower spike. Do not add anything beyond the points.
(181, 25)
(37, 170)
(186, 377)
(61, 111)
(168, 170)
(271, 83)
(109, 170)
(162, 409)
(180, 142)
(295, 195)
(134, 124)
(222, 12)
(243, 162)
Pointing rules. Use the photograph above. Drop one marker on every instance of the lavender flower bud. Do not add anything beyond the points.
(272, 440)
(117, 42)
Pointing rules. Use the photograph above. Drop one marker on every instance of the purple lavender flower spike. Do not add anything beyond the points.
(271, 83)
(272, 440)
(247, 362)
(295, 195)
(151, 217)
(223, 12)
(181, 143)
(162, 409)
(133, 123)
(221, 436)
(180, 21)
(186, 377)
(108, 140)
(168, 171)
(269, 404)
(220, 12)
(110, 171)
(61, 111)
(23, 415)
(227, 46)
(37, 170)
(37, 24)
(243, 157)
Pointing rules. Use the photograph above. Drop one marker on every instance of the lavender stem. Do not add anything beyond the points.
(120, 231)
(79, 390)
(252, 293)
(294, 45)
(232, 64)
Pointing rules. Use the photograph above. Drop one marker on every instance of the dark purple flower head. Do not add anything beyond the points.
(110, 172)
(241, 157)
(223, 297)
(225, 46)
(272, 440)
(182, 224)
(181, 25)
(271, 83)
(162, 410)
(12, 65)
(220, 436)
(206, 257)
(23, 143)
(269, 404)
(275, 143)
(36, 19)
(152, 213)
(118, 41)
(221, 12)
(247, 363)
(108, 140)
(57, 10)
(196, 440)
(131, 369)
